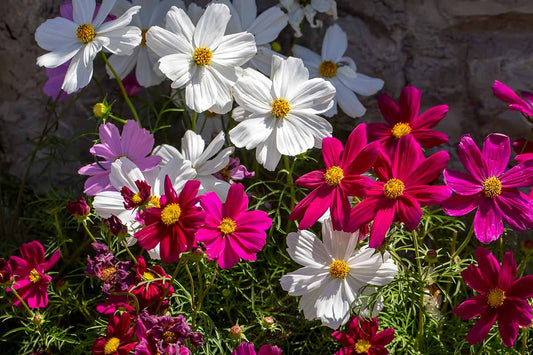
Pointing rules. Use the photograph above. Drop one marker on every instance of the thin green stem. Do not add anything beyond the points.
(191, 280)
(211, 282)
(84, 222)
(464, 243)
(129, 251)
(525, 332)
(420, 335)
(22, 301)
(118, 119)
(194, 117)
(122, 89)
(166, 289)
(527, 140)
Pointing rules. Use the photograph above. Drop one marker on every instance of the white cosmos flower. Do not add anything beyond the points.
(124, 173)
(143, 59)
(334, 274)
(80, 40)
(201, 57)
(265, 27)
(297, 9)
(340, 71)
(203, 161)
(279, 116)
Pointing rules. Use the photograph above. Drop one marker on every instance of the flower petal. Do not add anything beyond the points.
(481, 329)
(471, 308)
(211, 26)
(496, 152)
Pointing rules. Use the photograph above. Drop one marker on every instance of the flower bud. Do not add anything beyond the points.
(431, 256)
(236, 332)
(198, 252)
(115, 226)
(6, 272)
(100, 110)
(276, 47)
(38, 318)
(267, 322)
(79, 208)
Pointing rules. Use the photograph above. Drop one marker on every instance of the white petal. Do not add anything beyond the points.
(179, 23)
(267, 153)
(317, 126)
(211, 183)
(105, 9)
(263, 59)
(268, 25)
(179, 172)
(252, 92)
(217, 163)
(122, 41)
(235, 50)
(304, 280)
(292, 137)
(335, 44)
(120, 22)
(211, 26)
(160, 10)
(154, 253)
(192, 146)
(167, 153)
(360, 83)
(295, 19)
(332, 307)
(57, 34)
(308, 304)
(224, 78)
(201, 91)
(307, 250)
(163, 42)
(347, 100)
(122, 64)
(312, 94)
(83, 11)
(252, 131)
(369, 267)
(202, 156)
(147, 73)
(340, 245)
(55, 59)
(247, 11)
(78, 75)
(124, 173)
(287, 74)
(349, 61)
(107, 203)
(176, 67)
(309, 57)
(234, 24)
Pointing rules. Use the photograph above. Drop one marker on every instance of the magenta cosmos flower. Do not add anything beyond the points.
(135, 144)
(341, 178)
(118, 337)
(230, 232)
(489, 189)
(174, 223)
(363, 338)
(402, 188)
(506, 94)
(501, 298)
(524, 149)
(248, 349)
(404, 120)
(31, 282)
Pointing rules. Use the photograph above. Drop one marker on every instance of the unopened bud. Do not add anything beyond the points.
(276, 47)
(115, 226)
(100, 110)
(236, 332)
(431, 256)
(79, 208)
(38, 318)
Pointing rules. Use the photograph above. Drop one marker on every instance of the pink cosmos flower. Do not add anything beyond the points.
(174, 223)
(118, 338)
(404, 120)
(489, 189)
(341, 178)
(363, 338)
(506, 94)
(501, 298)
(248, 349)
(230, 232)
(31, 282)
(402, 188)
(524, 153)
(135, 144)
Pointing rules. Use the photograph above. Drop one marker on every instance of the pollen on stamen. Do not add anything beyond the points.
(202, 56)
(35, 276)
(362, 346)
(393, 189)
(492, 187)
(495, 297)
(328, 69)
(334, 176)
(111, 346)
(227, 226)
(143, 37)
(338, 269)
(85, 33)
(280, 108)
(401, 129)
(171, 214)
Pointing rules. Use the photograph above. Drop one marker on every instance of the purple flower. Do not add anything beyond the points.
(234, 171)
(115, 274)
(489, 188)
(248, 349)
(135, 144)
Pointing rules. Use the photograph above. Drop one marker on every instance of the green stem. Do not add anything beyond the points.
(192, 285)
(525, 332)
(122, 89)
(84, 222)
(22, 301)
(527, 140)
(166, 289)
(118, 119)
(202, 296)
(129, 252)
(194, 116)
(464, 243)
(420, 336)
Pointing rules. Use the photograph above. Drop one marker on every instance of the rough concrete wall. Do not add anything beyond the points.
(450, 49)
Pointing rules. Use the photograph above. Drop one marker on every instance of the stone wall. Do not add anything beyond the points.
(452, 50)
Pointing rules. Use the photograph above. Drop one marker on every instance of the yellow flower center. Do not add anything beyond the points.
(401, 129)
(492, 187)
(85, 33)
(393, 189)
(495, 297)
(154, 201)
(280, 108)
(111, 346)
(210, 114)
(35, 276)
(339, 269)
(328, 69)
(108, 273)
(143, 37)
(171, 214)
(148, 276)
(362, 346)
(170, 337)
(334, 176)
(136, 199)
(227, 226)
(202, 55)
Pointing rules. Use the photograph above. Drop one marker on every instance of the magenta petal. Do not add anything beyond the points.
(148, 236)
(409, 212)
(462, 183)
(136, 142)
(430, 118)
(488, 265)
(32, 252)
(475, 279)
(355, 143)
(406, 157)
(520, 175)
(506, 94)
(378, 132)
(389, 109)
(312, 180)
(331, 151)
(496, 153)
(244, 349)
(363, 161)
(384, 337)
(471, 308)
(488, 224)
(523, 287)
(507, 272)
(481, 329)
(269, 350)
(382, 222)
(212, 205)
(429, 195)
(312, 207)
(519, 309)
(429, 138)
(522, 158)
(383, 167)
(356, 185)
(236, 201)
(471, 158)
(429, 170)
(517, 209)
(459, 205)
(361, 214)
(340, 209)
(97, 183)
(507, 324)
(409, 103)
(52, 260)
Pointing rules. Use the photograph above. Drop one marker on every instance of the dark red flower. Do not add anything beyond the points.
(6, 272)
(150, 293)
(78, 208)
(118, 338)
(363, 338)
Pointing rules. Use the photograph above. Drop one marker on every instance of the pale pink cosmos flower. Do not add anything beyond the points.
(489, 188)
(135, 143)
(230, 232)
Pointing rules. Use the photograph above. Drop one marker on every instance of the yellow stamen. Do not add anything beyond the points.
(362, 346)
(328, 69)
(401, 129)
(85, 33)
(202, 56)
(393, 189)
(136, 199)
(148, 276)
(210, 114)
(35, 276)
(154, 201)
(169, 337)
(492, 187)
(280, 108)
(143, 37)
(171, 214)
(334, 176)
(227, 226)
(339, 269)
(108, 273)
(111, 346)
(495, 297)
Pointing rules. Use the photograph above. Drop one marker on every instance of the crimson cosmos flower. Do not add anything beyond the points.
(363, 338)
(402, 188)
(174, 223)
(404, 120)
(118, 337)
(341, 178)
(501, 298)
(151, 293)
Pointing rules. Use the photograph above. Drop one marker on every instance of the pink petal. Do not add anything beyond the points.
(378, 132)
(481, 329)
(33, 252)
(170, 248)
(409, 103)
(389, 110)
(459, 205)
(361, 214)
(506, 94)
(236, 201)
(344, 338)
(383, 167)
(269, 350)
(189, 192)
(471, 308)
(363, 161)
(52, 260)
(430, 118)
(429, 195)
(517, 208)
(518, 309)
(518, 146)
(383, 338)
(471, 158)
(312, 207)
(148, 237)
(462, 183)
(488, 224)
(429, 138)
(523, 287)
(97, 183)
(331, 151)
(254, 219)
(356, 185)
(340, 209)
(488, 265)
(429, 170)
(244, 349)
(136, 142)
(409, 212)
(475, 279)
(520, 175)
(507, 325)
(355, 143)
(522, 158)
(382, 222)
(212, 205)
(110, 136)
(496, 153)
(406, 157)
(312, 180)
